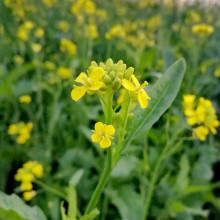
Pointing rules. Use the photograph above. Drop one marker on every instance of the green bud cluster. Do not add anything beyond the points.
(114, 73)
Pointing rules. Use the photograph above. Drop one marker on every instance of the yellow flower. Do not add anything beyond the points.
(217, 72)
(49, 65)
(38, 170)
(29, 195)
(137, 91)
(202, 29)
(201, 132)
(91, 31)
(26, 185)
(26, 175)
(64, 73)
(22, 33)
(103, 134)
(63, 26)
(18, 59)
(36, 47)
(39, 32)
(13, 129)
(24, 99)
(188, 103)
(29, 25)
(91, 83)
(67, 45)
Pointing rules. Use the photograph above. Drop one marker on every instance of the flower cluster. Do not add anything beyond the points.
(22, 130)
(26, 175)
(203, 114)
(24, 99)
(202, 29)
(104, 79)
(67, 46)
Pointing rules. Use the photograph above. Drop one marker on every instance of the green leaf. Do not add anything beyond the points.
(95, 212)
(162, 94)
(8, 81)
(147, 59)
(127, 201)
(13, 208)
(182, 178)
(76, 177)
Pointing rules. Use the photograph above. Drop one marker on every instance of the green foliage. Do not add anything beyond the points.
(162, 94)
(13, 208)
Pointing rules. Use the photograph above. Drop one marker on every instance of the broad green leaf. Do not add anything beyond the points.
(8, 81)
(91, 215)
(147, 59)
(162, 94)
(13, 208)
(127, 201)
(76, 177)
(182, 178)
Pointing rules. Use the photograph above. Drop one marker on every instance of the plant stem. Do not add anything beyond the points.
(108, 167)
(51, 189)
(156, 171)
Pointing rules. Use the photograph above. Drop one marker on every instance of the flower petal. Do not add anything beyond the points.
(96, 137)
(135, 81)
(99, 126)
(96, 85)
(81, 77)
(78, 92)
(105, 142)
(109, 130)
(143, 99)
(128, 85)
(96, 74)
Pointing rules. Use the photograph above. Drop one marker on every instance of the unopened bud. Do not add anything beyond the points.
(107, 80)
(109, 63)
(112, 75)
(116, 84)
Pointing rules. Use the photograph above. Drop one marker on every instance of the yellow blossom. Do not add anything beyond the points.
(13, 129)
(91, 83)
(136, 90)
(217, 72)
(22, 130)
(201, 132)
(26, 185)
(39, 32)
(18, 59)
(67, 45)
(202, 29)
(91, 31)
(103, 134)
(22, 33)
(49, 65)
(24, 99)
(29, 195)
(64, 73)
(29, 25)
(36, 47)
(38, 170)
(63, 26)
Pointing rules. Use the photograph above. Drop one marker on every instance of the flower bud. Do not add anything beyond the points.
(120, 75)
(101, 64)
(93, 63)
(128, 73)
(107, 80)
(112, 75)
(109, 63)
(116, 84)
